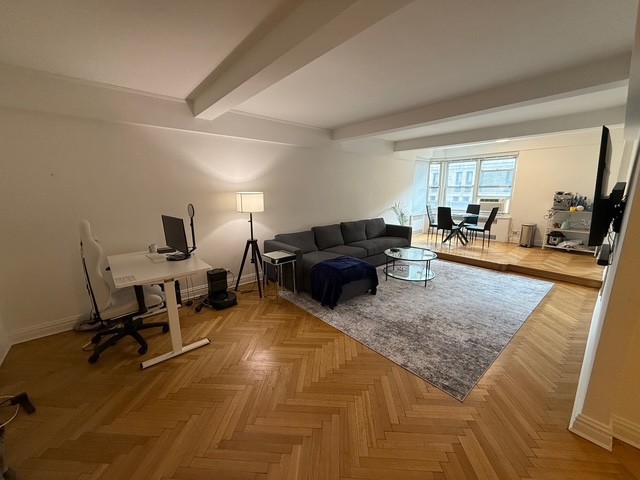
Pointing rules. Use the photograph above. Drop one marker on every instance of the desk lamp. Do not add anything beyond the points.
(250, 202)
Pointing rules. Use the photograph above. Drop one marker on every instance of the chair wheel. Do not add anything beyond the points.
(165, 328)
(142, 350)
(93, 358)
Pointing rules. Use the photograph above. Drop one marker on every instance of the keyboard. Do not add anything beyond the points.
(157, 257)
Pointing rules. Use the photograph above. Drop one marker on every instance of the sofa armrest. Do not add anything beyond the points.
(273, 245)
(402, 231)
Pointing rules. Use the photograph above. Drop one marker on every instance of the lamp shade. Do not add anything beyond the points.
(250, 202)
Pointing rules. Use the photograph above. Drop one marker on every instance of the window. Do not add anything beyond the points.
(457, 183)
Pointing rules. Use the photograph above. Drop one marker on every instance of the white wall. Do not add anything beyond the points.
(4, 343)
(564, 162)
(58, 169)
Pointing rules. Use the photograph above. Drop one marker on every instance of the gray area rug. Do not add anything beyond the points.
(448, 333)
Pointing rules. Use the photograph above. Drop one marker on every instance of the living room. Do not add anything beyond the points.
(75, 148)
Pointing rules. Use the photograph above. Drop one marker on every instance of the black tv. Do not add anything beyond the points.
(606, 207)
(175, 237)
(600, 216)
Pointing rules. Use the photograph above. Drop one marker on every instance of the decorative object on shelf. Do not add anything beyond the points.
(569, 216)
(251, 202)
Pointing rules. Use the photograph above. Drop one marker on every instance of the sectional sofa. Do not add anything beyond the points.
(363, 239)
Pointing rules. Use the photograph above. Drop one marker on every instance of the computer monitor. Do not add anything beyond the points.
(175, 237)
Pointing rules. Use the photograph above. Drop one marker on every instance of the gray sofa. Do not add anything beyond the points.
(364, 239)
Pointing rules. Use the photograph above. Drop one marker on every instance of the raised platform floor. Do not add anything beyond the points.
(559, 265)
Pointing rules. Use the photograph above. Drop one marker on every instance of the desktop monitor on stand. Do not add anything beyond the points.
(175, 236)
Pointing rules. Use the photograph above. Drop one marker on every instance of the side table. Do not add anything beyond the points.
(278, 258)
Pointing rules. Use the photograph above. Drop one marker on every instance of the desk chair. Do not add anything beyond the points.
(120, 310)
(484, 228)
(433, 224)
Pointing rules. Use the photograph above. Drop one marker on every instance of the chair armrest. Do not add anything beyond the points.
(402, 231)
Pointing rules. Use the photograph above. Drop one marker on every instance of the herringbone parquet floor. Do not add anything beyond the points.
(281, 395)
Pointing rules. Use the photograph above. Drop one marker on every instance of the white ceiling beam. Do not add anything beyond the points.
(587, 78)
(578, 121)
(298, 33)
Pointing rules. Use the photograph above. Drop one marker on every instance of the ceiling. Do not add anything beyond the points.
(416, 73)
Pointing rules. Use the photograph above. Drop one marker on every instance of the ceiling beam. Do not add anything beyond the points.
(578, 121)
(583, 79)
(296, 34)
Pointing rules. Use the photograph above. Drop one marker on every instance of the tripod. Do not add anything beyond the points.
(256, 258)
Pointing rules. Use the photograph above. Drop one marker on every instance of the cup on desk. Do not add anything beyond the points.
(153, 248)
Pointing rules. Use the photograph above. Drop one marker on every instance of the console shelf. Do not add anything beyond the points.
(578, 229)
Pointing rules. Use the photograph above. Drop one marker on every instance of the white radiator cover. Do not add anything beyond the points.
(501, 228)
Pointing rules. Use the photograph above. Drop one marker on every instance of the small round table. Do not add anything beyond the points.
(415, 267)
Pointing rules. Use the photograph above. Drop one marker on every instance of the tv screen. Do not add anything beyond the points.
(601, 215)
(175, 237)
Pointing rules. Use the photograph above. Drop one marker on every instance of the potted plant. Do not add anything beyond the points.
(399, 209)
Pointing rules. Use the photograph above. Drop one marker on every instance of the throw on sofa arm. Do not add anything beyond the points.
(272, 246)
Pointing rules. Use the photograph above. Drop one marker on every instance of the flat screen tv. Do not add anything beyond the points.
(606, 207)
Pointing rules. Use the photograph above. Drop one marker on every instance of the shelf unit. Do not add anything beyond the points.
(579, 224)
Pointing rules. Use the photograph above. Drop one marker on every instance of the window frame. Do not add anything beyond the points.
(445, 163)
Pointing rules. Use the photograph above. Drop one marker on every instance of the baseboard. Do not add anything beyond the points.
(65, 324)
(592, 430)
(626, 431)
(44, 330)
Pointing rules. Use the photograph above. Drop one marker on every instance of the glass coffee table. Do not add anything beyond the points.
(409, 263)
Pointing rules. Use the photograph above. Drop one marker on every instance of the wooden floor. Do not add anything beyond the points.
(281, 395)
(553, 264)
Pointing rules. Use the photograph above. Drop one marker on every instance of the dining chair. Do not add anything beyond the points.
(473, 208)
(486, 228)
(433, 224)
(446, 224)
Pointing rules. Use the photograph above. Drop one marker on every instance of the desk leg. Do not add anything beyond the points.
(174, 328)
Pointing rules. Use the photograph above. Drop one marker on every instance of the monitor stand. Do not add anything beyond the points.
(175, 257)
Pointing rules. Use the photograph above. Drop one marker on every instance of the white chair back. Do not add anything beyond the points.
(95, 264)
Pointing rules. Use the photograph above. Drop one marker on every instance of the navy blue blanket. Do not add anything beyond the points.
(328, 277)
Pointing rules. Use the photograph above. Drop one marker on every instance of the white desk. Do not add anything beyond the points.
(131, 269)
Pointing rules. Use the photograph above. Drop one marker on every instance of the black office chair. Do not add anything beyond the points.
(446, 224)
(486, 228)
(120, 311)
(433, 224)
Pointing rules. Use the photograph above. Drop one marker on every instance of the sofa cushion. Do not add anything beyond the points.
(375, 227)
(353, 231)
(348, 250)
(378, 245)
(305, 241)
(328, 236)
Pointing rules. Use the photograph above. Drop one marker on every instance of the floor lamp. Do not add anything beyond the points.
(250, 202)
